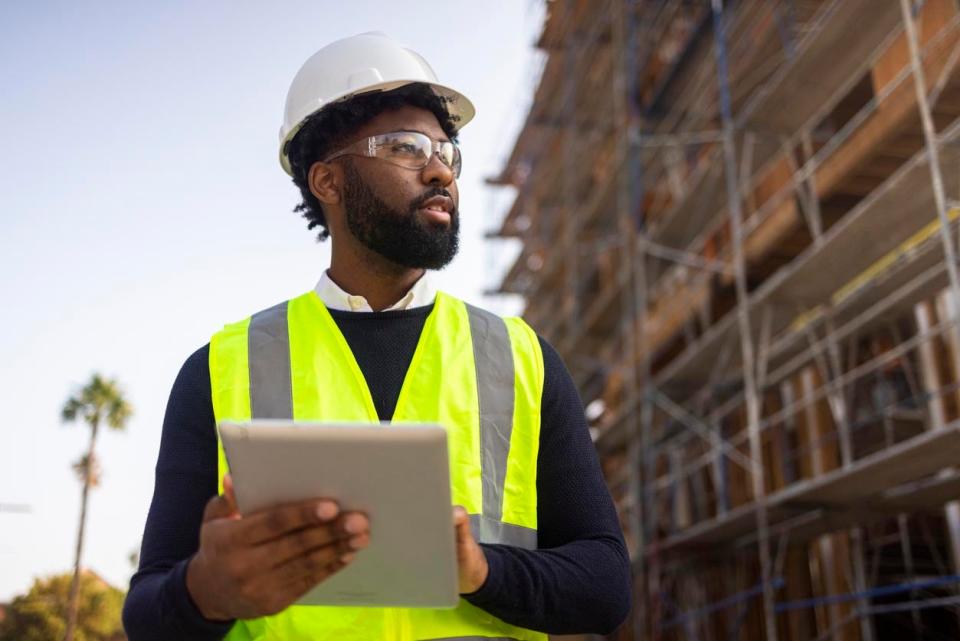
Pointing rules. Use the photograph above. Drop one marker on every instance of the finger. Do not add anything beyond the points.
(217, 508)
(353, 524)
(351, 532)
(317, 564)
(276, 522)
(294, 544)
(229, 493)
(293, 587)
(462, 526)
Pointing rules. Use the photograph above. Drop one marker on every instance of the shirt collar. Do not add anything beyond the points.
(421, 294)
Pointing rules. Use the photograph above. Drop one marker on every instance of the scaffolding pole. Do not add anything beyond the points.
(952, 509)
(625, 51)
(932, 147)
(572, 52)
(746, 339)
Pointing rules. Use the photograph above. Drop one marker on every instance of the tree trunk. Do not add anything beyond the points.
(73, 604)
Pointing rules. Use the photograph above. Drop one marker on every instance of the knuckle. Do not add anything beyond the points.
(224, 537)
(328, 534)
(322, 557)
(276, 521)
(309, 563)
(213, 528)
(308, 513)
(302, 540)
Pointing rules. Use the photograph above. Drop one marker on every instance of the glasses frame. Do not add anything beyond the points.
(368, 147)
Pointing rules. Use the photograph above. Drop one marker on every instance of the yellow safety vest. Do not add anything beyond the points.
(478, 375)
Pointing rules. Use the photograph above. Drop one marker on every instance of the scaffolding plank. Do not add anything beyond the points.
(919, 277)
(866, 478)
(895, 211)
(825, 60)
(929, 494)
(690, 214)
(862, 485)
(732, 525)
(901, 206)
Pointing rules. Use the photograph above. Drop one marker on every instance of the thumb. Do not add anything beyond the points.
(229, 493)
(218, 508)
(223, 506)
(462, 523)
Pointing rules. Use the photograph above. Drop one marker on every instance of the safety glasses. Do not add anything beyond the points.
(410, 149)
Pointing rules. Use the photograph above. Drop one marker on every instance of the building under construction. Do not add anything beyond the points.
(738, 226)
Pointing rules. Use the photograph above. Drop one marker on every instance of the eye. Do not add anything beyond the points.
(404, 148)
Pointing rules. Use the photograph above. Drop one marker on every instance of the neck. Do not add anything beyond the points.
(362, 272)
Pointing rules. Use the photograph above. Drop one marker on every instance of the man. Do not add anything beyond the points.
(370, 140)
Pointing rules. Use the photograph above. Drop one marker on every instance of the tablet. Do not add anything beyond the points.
(397, 474)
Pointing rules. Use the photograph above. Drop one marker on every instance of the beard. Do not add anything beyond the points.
(399, 236)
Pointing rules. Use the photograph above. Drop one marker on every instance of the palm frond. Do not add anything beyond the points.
(71, 409)
(100, 399)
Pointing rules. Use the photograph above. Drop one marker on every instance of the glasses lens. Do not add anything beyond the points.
(413, 150)
(450, 155)
(405, 148)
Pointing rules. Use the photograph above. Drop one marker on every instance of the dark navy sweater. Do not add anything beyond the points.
(578, 581)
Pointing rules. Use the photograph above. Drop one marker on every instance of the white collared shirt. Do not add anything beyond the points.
(420, 295)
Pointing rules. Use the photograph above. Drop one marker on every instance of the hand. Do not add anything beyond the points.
(472, 565)
(255, 565)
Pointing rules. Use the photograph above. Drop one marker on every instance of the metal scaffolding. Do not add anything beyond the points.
(738, 230)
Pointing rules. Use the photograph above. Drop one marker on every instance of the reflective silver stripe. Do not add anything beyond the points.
(268, 346)
(488, 530)
(493, 359)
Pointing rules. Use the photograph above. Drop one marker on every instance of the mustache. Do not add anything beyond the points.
(431, 193)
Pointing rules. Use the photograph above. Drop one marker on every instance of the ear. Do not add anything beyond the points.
(325, 181)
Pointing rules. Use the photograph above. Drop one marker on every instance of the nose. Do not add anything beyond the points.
(436, 172)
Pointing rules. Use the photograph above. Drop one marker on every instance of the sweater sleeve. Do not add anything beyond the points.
(578, 581)
(158, 606)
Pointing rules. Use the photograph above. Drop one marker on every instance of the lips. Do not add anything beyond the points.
(439, 204)
(438, 210)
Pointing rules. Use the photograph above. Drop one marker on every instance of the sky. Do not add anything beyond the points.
(142, 207)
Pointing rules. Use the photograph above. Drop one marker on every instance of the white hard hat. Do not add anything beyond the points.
(366, 62)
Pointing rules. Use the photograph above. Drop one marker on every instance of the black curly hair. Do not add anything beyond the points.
(331, 127)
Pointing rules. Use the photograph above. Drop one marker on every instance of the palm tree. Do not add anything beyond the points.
(100, 400)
